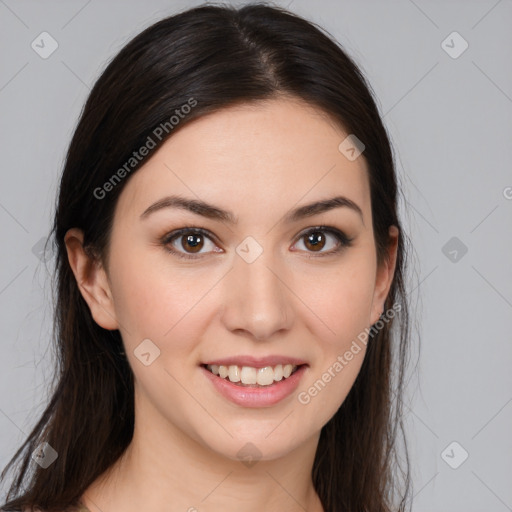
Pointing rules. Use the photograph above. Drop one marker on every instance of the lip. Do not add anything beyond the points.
(257, 362)
(247, 396)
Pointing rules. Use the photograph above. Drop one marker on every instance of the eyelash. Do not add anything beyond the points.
(339, 235)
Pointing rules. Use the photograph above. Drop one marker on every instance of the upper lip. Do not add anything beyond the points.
(256, 362)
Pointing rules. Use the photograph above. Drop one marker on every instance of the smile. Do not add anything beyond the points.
(251, 376)
(264, 385)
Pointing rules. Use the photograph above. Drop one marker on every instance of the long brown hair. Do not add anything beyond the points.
(218, 55)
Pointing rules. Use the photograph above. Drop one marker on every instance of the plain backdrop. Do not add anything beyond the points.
(442, 75)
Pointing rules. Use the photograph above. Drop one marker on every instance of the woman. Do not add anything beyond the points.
(230, 265)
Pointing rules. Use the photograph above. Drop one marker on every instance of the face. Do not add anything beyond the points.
(245, 291)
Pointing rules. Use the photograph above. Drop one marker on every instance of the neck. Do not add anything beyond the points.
(163, 465)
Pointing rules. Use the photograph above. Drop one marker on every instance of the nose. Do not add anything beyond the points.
(257, 298)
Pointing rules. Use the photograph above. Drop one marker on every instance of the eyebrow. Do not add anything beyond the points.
(215, 213)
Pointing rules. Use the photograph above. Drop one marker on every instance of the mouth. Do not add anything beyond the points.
(250, 381)
(253, 377)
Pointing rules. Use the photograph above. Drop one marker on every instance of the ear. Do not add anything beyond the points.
(92, 280)
(384, 278)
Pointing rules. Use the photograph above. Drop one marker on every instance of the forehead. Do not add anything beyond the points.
(265, 157)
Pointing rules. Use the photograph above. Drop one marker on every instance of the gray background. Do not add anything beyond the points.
(449, 120)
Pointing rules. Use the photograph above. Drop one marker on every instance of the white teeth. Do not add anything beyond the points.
(265, 376)
(248, 375)
(234, 373)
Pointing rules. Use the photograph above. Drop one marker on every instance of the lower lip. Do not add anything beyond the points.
(258, 396)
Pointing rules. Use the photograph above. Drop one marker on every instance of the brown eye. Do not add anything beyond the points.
(315, 240)
(193, 242)
(319, 238)
(189, 243)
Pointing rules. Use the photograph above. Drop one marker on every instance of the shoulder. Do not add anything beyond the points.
(80, 508)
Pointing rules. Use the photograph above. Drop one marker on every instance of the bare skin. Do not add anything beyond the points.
(259, 162)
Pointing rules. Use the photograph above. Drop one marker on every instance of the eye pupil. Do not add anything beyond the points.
(315, 240)
(193, 242)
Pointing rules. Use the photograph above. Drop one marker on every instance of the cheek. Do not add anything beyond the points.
(341, 298)
(341, 301)
(156, 300)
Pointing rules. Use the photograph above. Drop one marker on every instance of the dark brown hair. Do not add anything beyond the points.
(218, 55)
